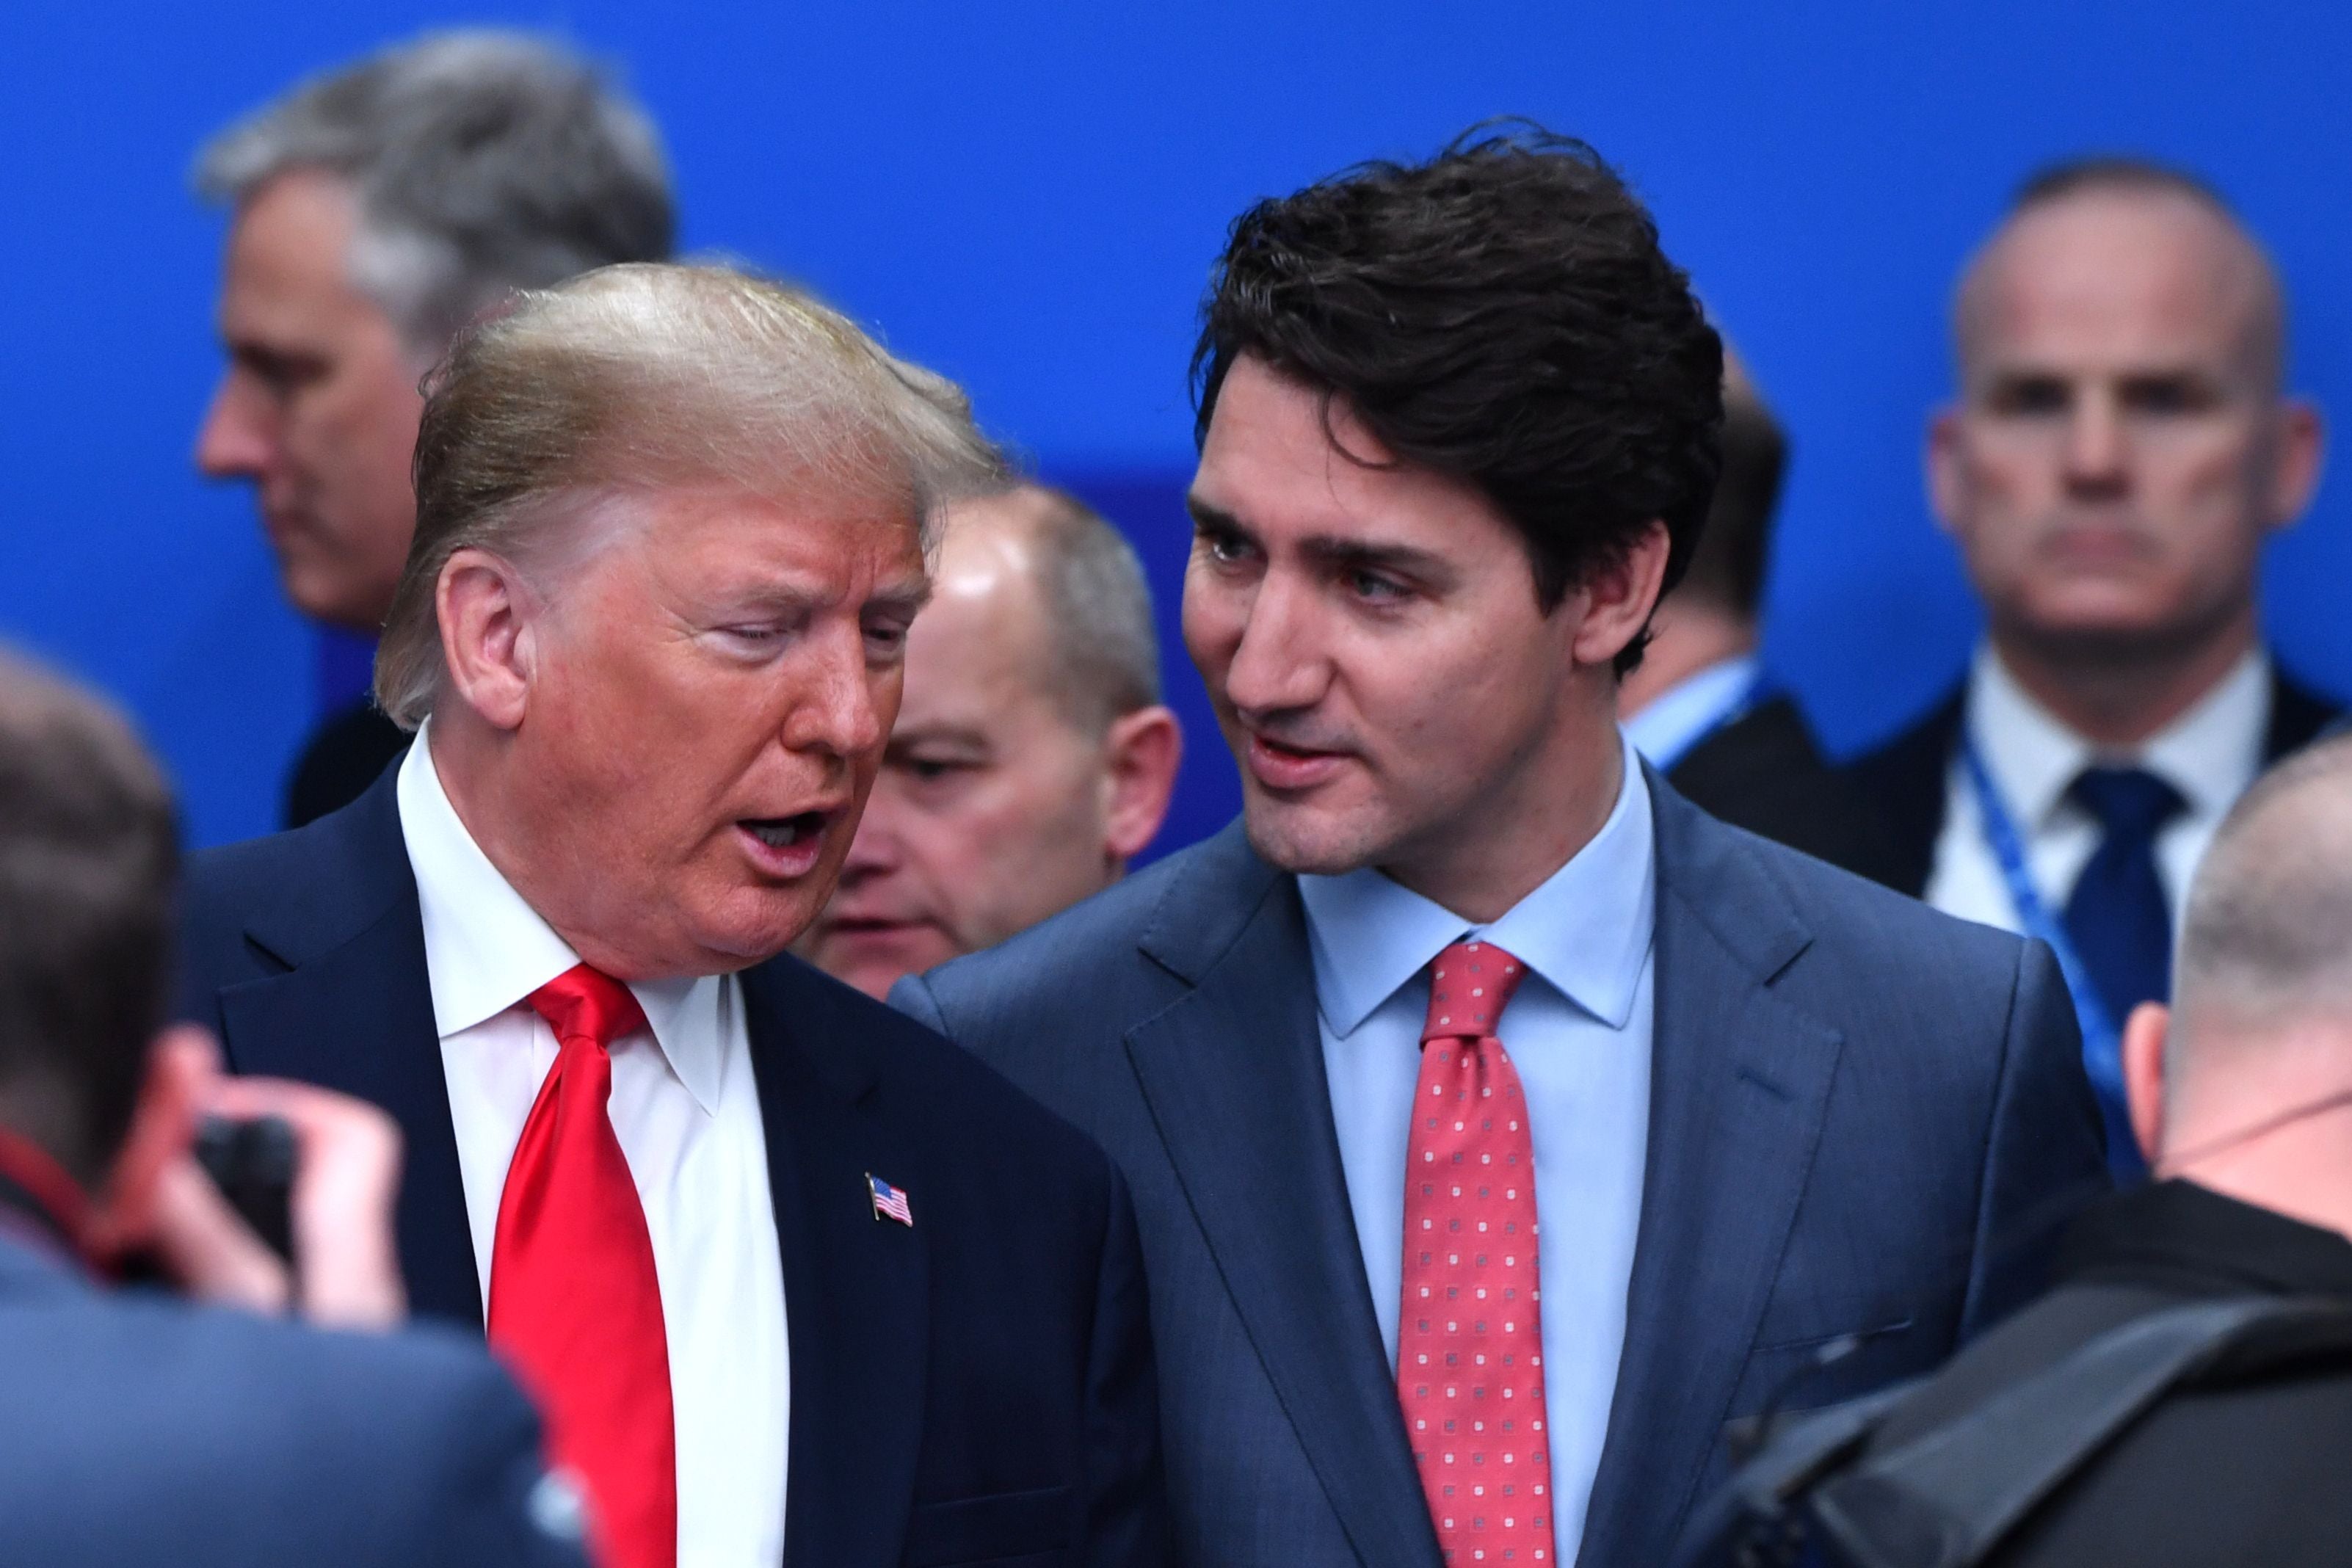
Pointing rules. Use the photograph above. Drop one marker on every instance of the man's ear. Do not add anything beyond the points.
(182, 1065)
(1946, 486)
(1140, 762)
(2302, 450)
(1618, 596)
(2144, 1033)
(483, 609)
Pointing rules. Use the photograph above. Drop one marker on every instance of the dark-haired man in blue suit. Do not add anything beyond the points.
(795, 1280)
(1499, 1124)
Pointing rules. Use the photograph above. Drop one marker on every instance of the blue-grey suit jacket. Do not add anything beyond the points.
(135, 1430)
(1865, 1118)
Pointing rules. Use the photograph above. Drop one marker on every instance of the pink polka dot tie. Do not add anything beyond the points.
(1470, 1339)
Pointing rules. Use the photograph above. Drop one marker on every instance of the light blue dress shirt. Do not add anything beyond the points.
(1578, 1030)
(1692, 709)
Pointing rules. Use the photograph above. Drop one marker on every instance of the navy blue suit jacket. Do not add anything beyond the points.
(1863, 1116)
(136, 1430)
(978, 1386)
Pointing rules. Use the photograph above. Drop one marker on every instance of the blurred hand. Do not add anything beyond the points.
(346, 1178)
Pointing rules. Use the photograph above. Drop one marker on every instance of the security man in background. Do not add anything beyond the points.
(376, 209)
(135, 1428)
(2121, 449)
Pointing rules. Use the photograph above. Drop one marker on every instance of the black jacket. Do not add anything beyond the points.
(2250, 1473)
(1905, 779)
(976, 1387)
(1764, 773)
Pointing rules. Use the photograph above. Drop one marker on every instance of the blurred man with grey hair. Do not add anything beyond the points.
(2241, 1100)
(670, 536)
(375, 210)
(1032, 757)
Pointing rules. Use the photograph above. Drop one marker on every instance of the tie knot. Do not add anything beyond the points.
(1469, 985)
(2130, 802)
(588, 1004)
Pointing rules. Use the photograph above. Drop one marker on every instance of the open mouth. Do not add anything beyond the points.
(785, 846)
(784, 832)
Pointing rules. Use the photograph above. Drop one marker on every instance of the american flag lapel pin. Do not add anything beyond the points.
(890, 1202)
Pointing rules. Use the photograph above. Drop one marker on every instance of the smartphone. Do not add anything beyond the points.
(252, 1162)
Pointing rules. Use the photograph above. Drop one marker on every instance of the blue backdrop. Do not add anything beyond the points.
(1027, 197)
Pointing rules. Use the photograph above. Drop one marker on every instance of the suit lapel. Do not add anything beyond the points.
(1233, 1072)
(353, 1012)
(1739, 1083)
(2296, 719)
(857, 1289)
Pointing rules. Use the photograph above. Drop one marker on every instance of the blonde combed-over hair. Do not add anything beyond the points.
(638, 378)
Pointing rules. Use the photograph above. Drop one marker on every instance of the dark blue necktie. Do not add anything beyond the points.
(2118, 916)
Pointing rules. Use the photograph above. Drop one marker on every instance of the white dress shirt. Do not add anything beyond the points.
(1678, 718)
(688, 1116)
(1578, 1030)
(2210, 753)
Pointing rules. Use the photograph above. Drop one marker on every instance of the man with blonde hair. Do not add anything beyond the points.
(671, 529)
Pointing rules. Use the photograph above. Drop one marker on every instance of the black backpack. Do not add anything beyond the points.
(1949, 1496)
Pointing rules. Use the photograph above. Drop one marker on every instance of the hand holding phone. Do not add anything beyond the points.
(336, 1160)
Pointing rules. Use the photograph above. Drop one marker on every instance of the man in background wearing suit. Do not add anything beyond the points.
(795, 1280)
(1032, 755)
(2120, 449)
(1701, 708)
(376, 210)
(1465, 967)
(137, 1429)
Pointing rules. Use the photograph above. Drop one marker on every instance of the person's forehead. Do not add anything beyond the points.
(2108, 274)
(982, 639)
(1272, 463)
(750, 533)
(289, 249)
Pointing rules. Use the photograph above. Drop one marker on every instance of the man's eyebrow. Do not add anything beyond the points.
(901, 598)
(961, 736)
(1206, 515)
(1360, 555)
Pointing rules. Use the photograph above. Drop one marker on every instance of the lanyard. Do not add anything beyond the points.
(1758, 687)
(2102, 1041)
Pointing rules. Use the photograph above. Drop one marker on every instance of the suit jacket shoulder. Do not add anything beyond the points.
(148, 1431)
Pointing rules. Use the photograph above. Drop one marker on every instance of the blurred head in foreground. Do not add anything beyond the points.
(375, 210)
(2245, 1084)
(1032, 755)
(671, 526)
(2122, 445)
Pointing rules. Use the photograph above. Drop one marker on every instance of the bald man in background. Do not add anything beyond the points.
(2121, 449)
(1031, 757)
(1701, 706)
(2241, 1099)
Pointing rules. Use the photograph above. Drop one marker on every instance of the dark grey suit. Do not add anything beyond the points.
(1857, 1105)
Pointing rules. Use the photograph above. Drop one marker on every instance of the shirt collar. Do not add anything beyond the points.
(1675, 720)
(486, 950)
(2207, 754)
(1585, 930)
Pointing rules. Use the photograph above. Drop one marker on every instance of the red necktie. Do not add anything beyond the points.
(574, 1302)
(1470, 1339)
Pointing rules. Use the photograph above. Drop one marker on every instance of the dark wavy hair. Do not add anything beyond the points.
(1502, 314)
